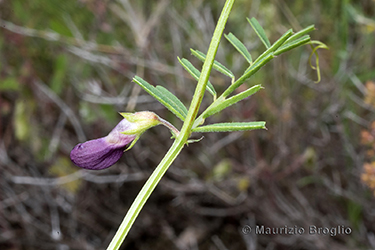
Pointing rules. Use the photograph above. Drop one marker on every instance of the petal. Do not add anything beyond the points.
(96, 154)
(119, 139)
(103, 152)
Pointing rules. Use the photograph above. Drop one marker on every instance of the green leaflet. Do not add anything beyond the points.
(230, 101)
(230, 126)
(288, 41)
(301, 33)
(293, 44)
(258, 63)
(268, 54)
(240, 47)
(280, 41)
(248, 73)
(259, 31)
(173, 99)
(165, 97)
(196, 74)
(218, 66)
(274, 46)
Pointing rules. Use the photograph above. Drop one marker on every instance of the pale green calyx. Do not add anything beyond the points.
(142, 121)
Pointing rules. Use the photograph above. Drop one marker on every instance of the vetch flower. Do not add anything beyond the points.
(104, 152)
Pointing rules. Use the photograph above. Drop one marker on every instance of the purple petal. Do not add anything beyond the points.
(96, 154)
(103, 152)
(116, 137)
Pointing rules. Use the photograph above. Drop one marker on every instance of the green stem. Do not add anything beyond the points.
(181, 139)
(144, 194)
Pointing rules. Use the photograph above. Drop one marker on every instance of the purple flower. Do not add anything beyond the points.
(103, 152)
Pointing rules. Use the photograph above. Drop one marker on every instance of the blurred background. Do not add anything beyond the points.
(66, 70)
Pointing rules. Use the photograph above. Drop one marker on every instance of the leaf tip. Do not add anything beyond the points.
(134, 78)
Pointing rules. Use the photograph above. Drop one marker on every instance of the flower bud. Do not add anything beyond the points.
(104, 152)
